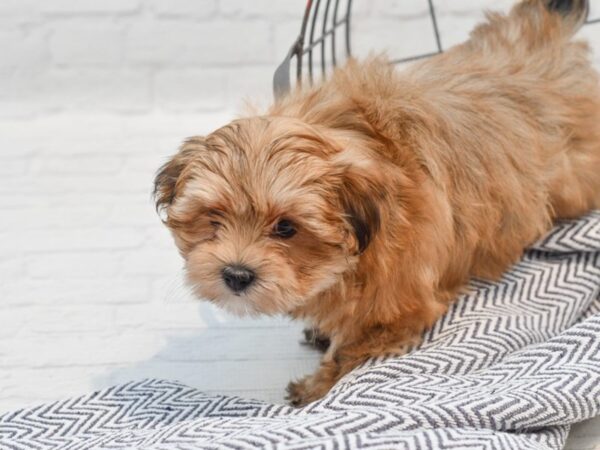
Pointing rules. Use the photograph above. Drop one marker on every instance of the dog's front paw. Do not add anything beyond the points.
(308, 389)
(296, 393)
(301, 392)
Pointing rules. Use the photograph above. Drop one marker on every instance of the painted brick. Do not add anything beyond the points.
(594, 9)
(77, 7)
(65, 89)
(11, 324)
(263, 8)
(57, 321)
(399, 9)
(253, 84)
(82, 239)
(190, 90)
(199, 43)
(87, 44)
(12, 8)
(151, 261)
(73, 265)
(23, 50)
(13, 167)
(185, 9)
(123, 55)
(81, 164)
(45, 217)
(66, 288)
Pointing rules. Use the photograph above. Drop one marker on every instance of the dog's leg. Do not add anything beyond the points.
(315, 338)
(339, 361)
(315, 386)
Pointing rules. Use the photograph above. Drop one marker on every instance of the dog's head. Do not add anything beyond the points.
(269, 212)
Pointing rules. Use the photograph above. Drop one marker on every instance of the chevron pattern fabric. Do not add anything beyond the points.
(511, 366)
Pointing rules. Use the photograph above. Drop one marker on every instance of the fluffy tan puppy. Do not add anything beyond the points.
(365, 204)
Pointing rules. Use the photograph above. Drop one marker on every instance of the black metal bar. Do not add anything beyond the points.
(334, 26)
(414, 58)
(323, 34)
(312, 35)
(317, 41)
(301, 47)
(438, 40)
(347, 18)
(299, 52)
(281, 78)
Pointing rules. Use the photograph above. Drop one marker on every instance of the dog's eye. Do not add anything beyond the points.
(215, 215)
(284, 229)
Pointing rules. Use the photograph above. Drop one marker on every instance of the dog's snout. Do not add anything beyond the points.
(238, 278)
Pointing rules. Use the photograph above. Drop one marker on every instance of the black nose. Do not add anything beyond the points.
(238, 278)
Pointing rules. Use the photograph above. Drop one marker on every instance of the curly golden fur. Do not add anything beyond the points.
(365, 204)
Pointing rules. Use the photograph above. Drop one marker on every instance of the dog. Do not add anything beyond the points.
(364, 204)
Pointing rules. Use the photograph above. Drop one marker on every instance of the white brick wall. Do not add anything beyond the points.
(94, 94)
(140, 56)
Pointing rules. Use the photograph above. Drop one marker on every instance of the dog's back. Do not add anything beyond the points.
(520, 106)
(530, 83)
(507, 124)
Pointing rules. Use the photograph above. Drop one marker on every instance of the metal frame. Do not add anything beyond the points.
(281, 78)
(331, 23)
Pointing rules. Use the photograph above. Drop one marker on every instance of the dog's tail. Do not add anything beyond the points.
(574, 12)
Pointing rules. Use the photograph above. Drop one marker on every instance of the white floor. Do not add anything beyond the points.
(90, 283)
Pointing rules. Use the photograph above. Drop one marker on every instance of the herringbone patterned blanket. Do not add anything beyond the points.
(511, 366)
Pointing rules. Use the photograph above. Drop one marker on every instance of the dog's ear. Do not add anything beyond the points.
(168, 176)
(361, 199)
